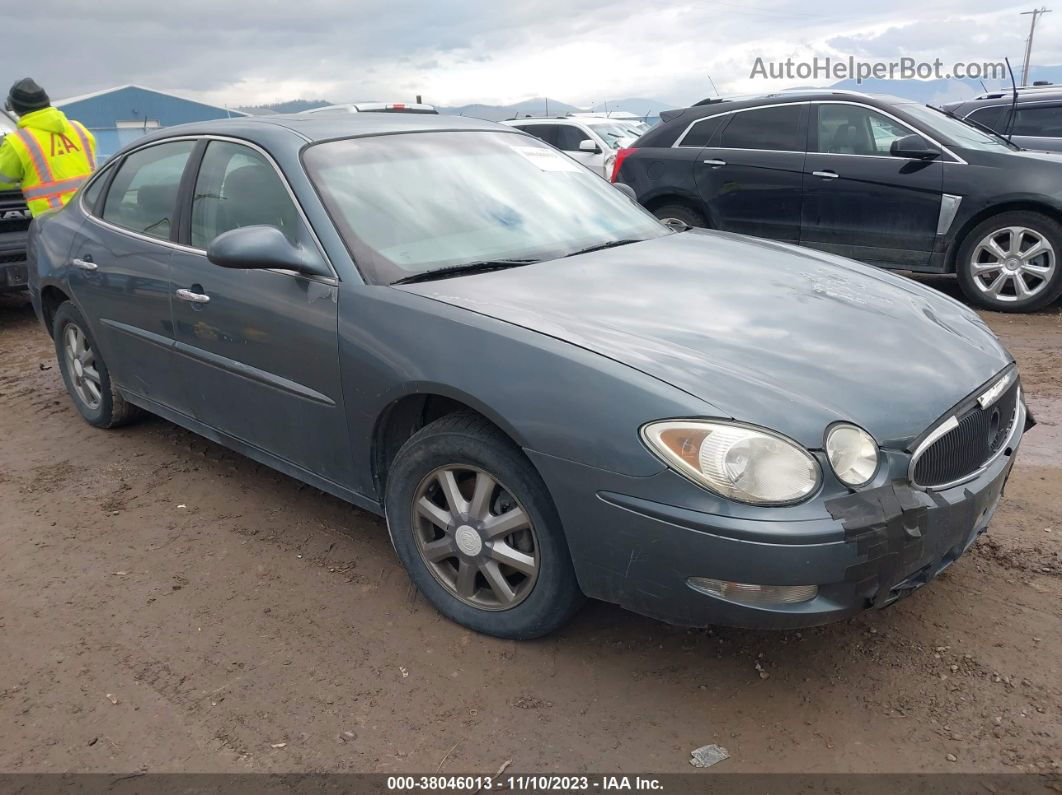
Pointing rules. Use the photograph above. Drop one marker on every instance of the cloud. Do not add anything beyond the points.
(459, 51)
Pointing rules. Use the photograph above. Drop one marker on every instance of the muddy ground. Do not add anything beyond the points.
(168, 605)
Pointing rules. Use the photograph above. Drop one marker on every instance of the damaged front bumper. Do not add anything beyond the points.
(637, 542)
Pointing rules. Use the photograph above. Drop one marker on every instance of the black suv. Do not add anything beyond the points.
(14, 221)
(1033, 120)
(881, 180)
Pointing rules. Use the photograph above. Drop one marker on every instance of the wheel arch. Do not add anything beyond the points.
(52, 297)
(419, 406)
(1012, 205)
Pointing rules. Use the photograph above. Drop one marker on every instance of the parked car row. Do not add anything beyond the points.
(884, 181)
(593, 141)
(1031, 117)
(547, 393)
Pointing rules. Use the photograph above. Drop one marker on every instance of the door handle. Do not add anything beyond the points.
(825, 174)
(84, 264)
(715, 163)
(195, 298)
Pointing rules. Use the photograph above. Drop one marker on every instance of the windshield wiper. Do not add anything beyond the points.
(465, 269)
(609, 244)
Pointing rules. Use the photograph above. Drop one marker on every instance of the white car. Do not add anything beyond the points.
(592, 141)
(375, 107)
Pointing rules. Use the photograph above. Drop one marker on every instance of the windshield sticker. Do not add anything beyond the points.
(546, 159)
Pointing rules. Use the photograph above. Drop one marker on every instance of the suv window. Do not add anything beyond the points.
(544, 132)
(237, 186)
(569, 136)
(700, 134)
(1042, 120)
(777, 128)
(855, 130)
(992, 118)
(143, 196)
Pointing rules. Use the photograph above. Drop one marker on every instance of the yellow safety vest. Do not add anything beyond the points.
(56, 156)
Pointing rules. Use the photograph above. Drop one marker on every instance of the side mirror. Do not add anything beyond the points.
(263, 248)
(586, 145)
(626, 190)
(913, 146)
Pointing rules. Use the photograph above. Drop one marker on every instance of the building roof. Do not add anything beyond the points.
(138, 88)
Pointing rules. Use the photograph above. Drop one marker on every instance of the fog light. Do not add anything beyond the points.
(754, 594)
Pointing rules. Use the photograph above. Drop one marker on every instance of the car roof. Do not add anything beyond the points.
(314, 127)
(1026, 95)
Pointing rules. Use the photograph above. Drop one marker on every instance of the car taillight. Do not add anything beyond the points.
(621, 155)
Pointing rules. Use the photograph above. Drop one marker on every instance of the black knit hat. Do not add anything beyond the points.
(26, 96)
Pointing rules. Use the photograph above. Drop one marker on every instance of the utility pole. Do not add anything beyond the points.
(1029, 42)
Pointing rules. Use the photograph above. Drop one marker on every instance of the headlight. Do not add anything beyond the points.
(749, 465)
(853, 454)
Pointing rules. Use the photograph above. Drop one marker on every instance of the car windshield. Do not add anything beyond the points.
(612, 133)
(958, 132)
(411, 203)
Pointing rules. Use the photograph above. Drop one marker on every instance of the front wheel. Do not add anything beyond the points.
(477, 532)
(1010, 262)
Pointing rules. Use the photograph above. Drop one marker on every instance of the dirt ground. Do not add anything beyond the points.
(168, 605)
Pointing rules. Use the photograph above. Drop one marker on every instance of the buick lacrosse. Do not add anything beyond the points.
(548, 394)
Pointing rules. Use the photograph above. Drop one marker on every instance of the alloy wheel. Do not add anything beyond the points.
(81, 365)
(1012, 264)
(475, 537)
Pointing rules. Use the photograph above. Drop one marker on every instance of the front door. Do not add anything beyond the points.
(750, 176)
(258, 349)
(120, 271)
(860, 201)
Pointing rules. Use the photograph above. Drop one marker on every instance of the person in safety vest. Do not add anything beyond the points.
(49, 156)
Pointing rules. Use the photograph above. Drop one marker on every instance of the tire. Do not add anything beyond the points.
(451, 566)
(97, 399)
(1041, 274)
(681, 213)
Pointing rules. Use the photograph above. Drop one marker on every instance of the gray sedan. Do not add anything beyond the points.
(547, 393)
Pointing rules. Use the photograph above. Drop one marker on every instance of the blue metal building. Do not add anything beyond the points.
(122, 114)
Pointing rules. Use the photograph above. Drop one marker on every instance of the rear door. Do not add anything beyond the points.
(120, 272)
(257, 350)
(859, 200)
(750, 175)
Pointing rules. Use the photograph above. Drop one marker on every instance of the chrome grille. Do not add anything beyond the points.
(974, 437)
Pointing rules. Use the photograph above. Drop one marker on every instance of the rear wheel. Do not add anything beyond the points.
(1010, 262)
(88, 381)
(680, 215)
(476, 529)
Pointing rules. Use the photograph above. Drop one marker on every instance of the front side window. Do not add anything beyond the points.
(569, 137)
(237, 186)
(143, 196)
(416, 202)
(1043, 120)
(855, 130)
(779, 128)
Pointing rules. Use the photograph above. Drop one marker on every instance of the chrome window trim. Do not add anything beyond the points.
(952, 422)
(956, 159)
(334, 280)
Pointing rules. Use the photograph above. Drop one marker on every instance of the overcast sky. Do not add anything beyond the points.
(240, 52)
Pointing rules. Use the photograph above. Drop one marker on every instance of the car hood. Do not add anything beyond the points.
(766, 333)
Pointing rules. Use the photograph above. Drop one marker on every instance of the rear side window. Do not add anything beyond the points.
(700, 134)
(237, 186)
(779, 128)
(1042, 120)
(143, 196)
(992, 118)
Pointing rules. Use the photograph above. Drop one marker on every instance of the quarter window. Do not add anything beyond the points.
(778, 128)
(237, 186)
(992, 118)
(700, 134)
(855, 130)
(143, 196)
(1042, 120)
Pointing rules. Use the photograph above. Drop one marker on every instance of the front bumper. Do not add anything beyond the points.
(14, 269)
(867, 550)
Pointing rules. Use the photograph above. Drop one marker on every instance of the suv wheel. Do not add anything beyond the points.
(87, 379)
(1011, 262)
(680, 215)
(477, 531)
